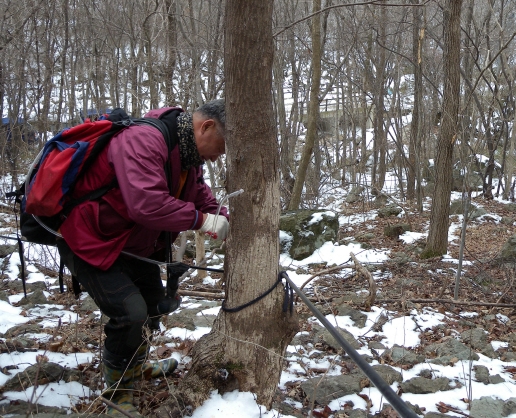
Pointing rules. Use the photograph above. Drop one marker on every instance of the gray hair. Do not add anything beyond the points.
(215, 109)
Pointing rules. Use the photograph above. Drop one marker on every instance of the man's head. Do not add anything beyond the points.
(209, 126)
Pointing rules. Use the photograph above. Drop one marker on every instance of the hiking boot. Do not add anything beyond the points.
(120, 387)
(153, 369)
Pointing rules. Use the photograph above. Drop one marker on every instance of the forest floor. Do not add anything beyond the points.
(487, 287)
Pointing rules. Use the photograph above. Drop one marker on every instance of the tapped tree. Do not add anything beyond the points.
(245, 347)
(437, 243)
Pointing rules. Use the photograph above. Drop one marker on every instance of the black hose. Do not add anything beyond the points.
(396, 402)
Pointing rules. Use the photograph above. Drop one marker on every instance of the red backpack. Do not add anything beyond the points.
(64, 159)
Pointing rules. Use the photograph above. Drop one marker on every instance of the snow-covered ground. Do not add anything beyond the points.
(402, 331)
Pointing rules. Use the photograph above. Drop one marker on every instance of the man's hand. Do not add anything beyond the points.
(216, 226)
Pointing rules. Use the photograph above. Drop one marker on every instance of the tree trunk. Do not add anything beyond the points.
(245, 349)
(313, 109)
(171, 51)
(415, 127)
(437, 243)
(380, 139)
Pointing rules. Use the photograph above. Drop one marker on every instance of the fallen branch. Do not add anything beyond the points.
(451, 301)
(201, 294)
(329, 270)
(372, 284)
(452, 409)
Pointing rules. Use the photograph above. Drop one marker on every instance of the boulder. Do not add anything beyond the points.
(450, 351)
(388, 211)
(6, 250)
(304, 231)
(421, 385)
(508, 252)
(457, 207)
(354, 195)
(395, 230)
(324, 389)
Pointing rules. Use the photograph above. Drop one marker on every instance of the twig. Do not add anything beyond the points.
(453, 302)
(329, 270)
(115, 406)
(451, 408)
(372, 285)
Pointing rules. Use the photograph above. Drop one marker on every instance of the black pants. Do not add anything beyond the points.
(127, 293)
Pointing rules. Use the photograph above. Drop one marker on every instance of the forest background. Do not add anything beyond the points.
(379, 65)
(412, 99)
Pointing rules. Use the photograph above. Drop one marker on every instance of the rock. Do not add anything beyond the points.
(6, 250)
(494, 380)
(354, 195)
(507, 220)
(44, 372)
(327, 388)
(421, 385)
(487, 407)
(507, 356)
(35, 298)
(388, 211)
(359, 319)
(286, 409)
(481, 374)
(426, 373)
(22, 329)
(18, 344)
(204, 320)
(182, 319)
(477, 213)
(356, 413)
(508, 252)
(387, 373)
(308, 230)
(376, 345)
(366, 236)
(4, 296)
(450, 351)
(22, 409)
(388, 410)
(381, 200)
(400, 258)
(477, 338)
(395, 230)
(401, 356)
(324, 335)
(87, 305)
(509, 407)
(457, 207)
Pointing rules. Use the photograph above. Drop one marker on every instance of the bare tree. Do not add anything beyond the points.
(313, 109)
(245, 347)
(437, 243)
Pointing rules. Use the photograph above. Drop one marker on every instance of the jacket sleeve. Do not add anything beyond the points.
(138, 156)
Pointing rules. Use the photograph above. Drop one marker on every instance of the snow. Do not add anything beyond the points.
(402, 330)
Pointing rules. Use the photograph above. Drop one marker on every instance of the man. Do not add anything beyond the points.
(101, 236)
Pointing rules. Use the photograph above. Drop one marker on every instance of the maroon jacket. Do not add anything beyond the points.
(131, 216)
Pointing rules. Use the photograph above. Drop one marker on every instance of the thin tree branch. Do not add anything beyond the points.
(336, 6)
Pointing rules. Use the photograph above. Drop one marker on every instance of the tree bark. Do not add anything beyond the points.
(245, 349)
(437, 243)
